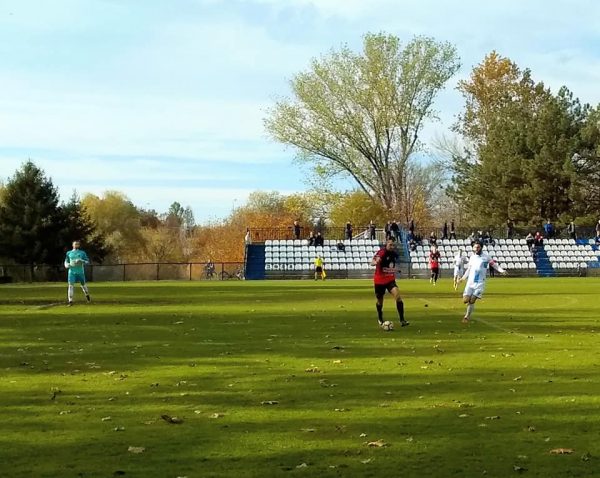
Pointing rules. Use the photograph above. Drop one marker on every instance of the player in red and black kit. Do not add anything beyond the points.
(434, 264)
(385, 279)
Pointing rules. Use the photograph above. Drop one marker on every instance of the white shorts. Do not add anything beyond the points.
(474, 290)
(458, 272)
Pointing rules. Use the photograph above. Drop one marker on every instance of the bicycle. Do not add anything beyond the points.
(237, 274)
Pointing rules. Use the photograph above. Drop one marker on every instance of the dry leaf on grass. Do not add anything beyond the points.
(561, 451)
(217, 415)
(493, 417)
(519, 468)
(302, 465)
(136, 449)
(174, 420)
(377, 444)
(313, 370)
(269, 402)
(308, 430)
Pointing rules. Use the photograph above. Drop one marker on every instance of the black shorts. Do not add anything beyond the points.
(381, 288)
(319, 269)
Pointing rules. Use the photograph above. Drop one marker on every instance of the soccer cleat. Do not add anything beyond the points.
(88, 298)
(465, 320)
(70, 303)
(404, 323)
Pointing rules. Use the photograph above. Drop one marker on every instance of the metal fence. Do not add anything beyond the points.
(127, 272)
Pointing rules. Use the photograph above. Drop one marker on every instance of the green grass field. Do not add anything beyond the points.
(295, 379)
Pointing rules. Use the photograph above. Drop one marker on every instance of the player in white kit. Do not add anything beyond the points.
(476, 272)
(460, 260)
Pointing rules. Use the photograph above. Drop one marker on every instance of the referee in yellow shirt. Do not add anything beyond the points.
(319, 268)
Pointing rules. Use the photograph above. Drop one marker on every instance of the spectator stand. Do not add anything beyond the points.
(287, 259)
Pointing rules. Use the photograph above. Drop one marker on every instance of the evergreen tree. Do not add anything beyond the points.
(31, 220)
(522, 140)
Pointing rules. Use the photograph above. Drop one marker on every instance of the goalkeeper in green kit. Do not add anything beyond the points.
(74, 262)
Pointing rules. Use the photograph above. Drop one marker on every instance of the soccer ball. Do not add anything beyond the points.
(387, 326)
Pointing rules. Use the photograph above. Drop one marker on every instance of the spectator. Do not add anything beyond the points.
(549, 229)
(412, 245)
(538, 240)
(209, 269)
(472, 238)
(372, 230)
(395, 231)
(388, 231)
(571, 230)
(411, 227)
(341, 247)
(510, 228)
(529, 240)
(597, 240)
(479, 238)
(248, 237)
(312, 239)
(296, 230)
(452, 230)
(348, 231)
(432, 239)
(598, 229)
(445, 231)
(319, 241)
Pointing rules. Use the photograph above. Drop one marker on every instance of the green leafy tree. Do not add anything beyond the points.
(118, 220)
(31, 221)
(179, 216)
(79, 226)
(586, 164)
(361, 114)
(520, 141)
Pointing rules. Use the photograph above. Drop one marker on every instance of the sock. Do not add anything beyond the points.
(379, 312)
(470, 309)
(70, 293)
(85, 290)
(400, 307)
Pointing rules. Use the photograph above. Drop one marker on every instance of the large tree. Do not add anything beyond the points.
(362, 114)
(521, 138)
(79, 226)
(31, 220)
(118, 220)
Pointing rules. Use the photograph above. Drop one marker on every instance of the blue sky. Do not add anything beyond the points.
(164, 99)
